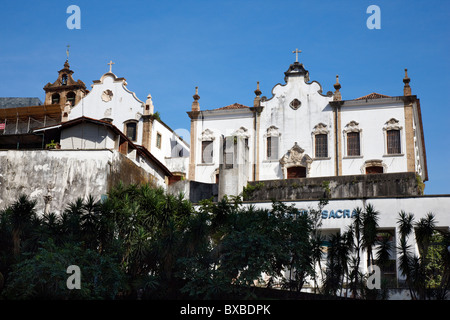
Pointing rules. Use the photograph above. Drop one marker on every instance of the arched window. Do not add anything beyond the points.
(55, 98)
(71, 98)
(64, 80)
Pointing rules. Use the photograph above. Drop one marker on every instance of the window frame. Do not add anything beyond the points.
(158, 141)
(393, 125)
(203, 160)
(272, 132)
(352, 127)
(128, 122)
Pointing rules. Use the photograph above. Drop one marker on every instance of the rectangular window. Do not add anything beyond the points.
(158, 140)
(207, 151)
(131, 131)
(353, 144)
(393, 142)
(272, 148)
(321, 145)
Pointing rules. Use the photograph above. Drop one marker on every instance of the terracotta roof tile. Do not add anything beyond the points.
(232, 106)
(373, 95)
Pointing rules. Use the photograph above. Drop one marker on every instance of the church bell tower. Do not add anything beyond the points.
(65, 91)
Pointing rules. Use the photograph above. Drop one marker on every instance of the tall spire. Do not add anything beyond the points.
(406, 88)
(195, 104)
(257, 100)
(337, 93)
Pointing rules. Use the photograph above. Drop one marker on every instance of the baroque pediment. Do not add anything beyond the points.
(296, 157)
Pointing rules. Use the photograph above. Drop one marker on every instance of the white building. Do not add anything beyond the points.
(110, 100)
(301, 132)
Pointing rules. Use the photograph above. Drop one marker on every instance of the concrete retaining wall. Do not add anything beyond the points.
(354, 186)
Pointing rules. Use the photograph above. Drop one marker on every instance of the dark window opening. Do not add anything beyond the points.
(296, 172)
(55, 98)
(374, 169)
(393, 142)
(71, 98)
(131, 131)
(353, 144)
(321, 145)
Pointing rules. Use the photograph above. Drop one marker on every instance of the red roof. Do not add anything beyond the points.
(373, 95)
(233, 106)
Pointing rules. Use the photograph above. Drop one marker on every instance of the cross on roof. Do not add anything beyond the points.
(67, 51)
(110, 65)
(296, 51)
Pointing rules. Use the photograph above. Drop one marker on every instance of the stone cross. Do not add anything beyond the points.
(296, 51)
(110, 65)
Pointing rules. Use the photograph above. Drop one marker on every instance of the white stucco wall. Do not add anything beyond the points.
(87, 136)
(296, 125)
(221, 123)
(371, 119)
(123, 106)
(388, 208)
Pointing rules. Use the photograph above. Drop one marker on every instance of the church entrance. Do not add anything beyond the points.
(374, 169)
(296, 172)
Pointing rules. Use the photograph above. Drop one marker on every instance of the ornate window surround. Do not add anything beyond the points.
(206, 135)
(295, 157)
(320, 128)
(393, 124)
(352, 126)
(273, 132)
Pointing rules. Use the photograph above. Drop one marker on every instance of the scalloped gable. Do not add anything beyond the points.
(117, 79)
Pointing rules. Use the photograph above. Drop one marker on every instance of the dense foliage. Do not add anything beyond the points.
(141, 243)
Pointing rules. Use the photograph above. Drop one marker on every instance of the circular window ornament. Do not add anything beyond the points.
(107, 95)
(295, 104)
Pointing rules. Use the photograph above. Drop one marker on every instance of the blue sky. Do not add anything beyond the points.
(166, 48)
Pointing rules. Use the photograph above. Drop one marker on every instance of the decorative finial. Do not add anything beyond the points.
(195, 104)
(406, 88)
(149, 108)
(196, 96)
(257, 91)
(110, 66)
(296, 51)
(257, 100)
(337, 86)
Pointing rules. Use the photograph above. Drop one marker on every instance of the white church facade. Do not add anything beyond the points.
(300, 132)
(110, 100)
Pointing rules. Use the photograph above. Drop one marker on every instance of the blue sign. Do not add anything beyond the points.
(334, 214)
(338, 214)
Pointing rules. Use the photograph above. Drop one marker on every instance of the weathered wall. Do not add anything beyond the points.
(65, 175)
(194, 190)
(353, 186)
